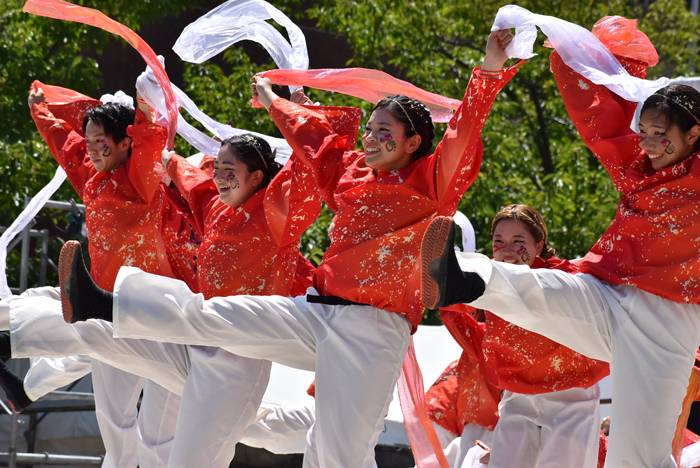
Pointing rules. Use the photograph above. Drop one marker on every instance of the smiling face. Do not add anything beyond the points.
(513, 243)
(665, 145)
(104, 153)
(385, 144)
(232, 178)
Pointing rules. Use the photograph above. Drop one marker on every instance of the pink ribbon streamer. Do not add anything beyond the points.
(59, 9)
(424, 441)
(370, 85)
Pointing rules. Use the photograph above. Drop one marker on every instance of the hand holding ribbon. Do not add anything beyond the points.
(59, 9)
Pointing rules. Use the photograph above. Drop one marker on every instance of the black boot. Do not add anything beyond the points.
(81, 298)
(14, 389)
(443, 283)
(5, 346)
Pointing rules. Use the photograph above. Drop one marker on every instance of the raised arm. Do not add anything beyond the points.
(67, 145)
(314, 138)
(457, 158)
(147, 143)
(292, 201)
(602, 118)
(194, 184)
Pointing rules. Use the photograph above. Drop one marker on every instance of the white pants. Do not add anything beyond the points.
(220, 391)
(221, 397)
(116, 398)
(455, 448)
(36, 324)
(156, 426)
(145, 439)
(46, 375)
(549, 430)
(356, 351)
(281, 429)
(650, 341)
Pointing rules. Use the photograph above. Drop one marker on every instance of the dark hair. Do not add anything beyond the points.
(415, 119)
(113, 118)
(680, 104)
(533, 222)
(256, 154)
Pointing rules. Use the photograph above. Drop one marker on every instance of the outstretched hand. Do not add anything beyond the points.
(496, 49)
(299, 97)
(262, 91)
(144, 107)
(165, 157)
(36, 96)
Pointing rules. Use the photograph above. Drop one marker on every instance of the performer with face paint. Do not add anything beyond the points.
(221, 391)
(635, 305)
(108, 153)
(549, 408)
(355, 334)
(549, 411)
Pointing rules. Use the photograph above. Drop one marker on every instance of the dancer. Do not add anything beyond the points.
(250, 225)
(356, 333)
(251, 213)
(635, 304)
(550, 407)
(453, 401)
(122, 202)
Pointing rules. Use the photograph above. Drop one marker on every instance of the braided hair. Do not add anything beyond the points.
(533, 221)
(415, 119)
(113, 118)
(256, 154)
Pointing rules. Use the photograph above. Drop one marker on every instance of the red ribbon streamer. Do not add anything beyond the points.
(59, 9)
(370, 85)
(424, 441)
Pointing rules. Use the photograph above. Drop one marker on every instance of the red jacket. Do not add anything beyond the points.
(654, 241)
(375, 243)
(123, 207)
(252, 249)
(180, 238)
(521, 361)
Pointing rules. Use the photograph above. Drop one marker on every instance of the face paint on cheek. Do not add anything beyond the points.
(668, 146)
(231, 179)
(524, 254)
(388, 140)
(497, 248)
(106, 150)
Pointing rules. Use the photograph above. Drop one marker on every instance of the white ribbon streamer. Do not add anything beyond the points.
(150, 91)
(468, 236)
(578, 48)
(238, 20)
(120, 97)
(34, 206)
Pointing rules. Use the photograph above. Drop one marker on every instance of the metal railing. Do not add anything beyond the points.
(25, 236)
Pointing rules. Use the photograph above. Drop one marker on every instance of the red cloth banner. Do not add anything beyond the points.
(424, 441)
(59, 9)
(370, 85)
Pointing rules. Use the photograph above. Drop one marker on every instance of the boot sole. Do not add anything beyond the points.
(65, 265)
(434, 260)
